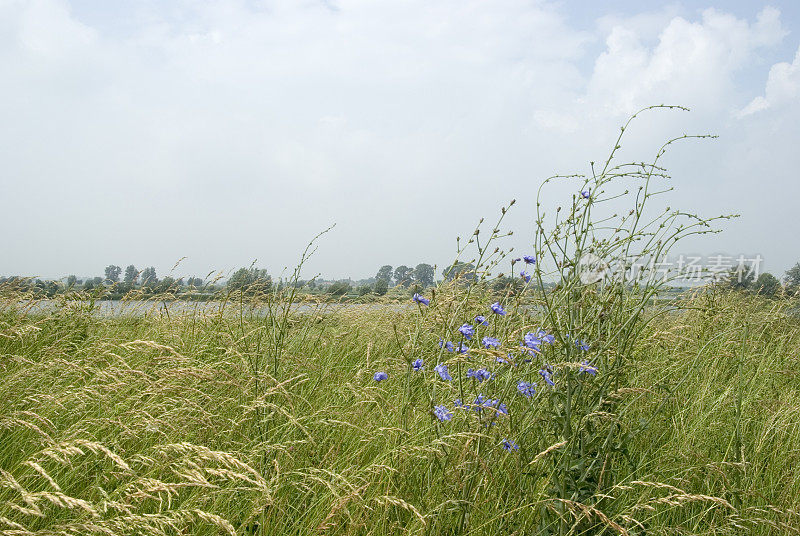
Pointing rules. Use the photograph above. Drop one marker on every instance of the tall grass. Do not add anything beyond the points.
(153, 426)
(257, 418)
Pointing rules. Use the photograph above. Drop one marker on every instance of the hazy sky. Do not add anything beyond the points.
(226, 131)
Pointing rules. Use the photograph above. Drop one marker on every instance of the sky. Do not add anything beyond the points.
(223, 132)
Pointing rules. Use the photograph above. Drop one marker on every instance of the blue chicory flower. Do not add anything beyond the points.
(525, 276)
(547, 376)
(526, 389)
(447, 345)
(582, 345)
(467, 331)
(506, 361)
(481, 320)
(586, 193)
(529, 259)
(546, 337)
(442, 370)
(497, 309)
(490, 342)
(417, 364)
(510, 445)
(480, 374)
(481, 403)
(462, 348)
(419, 299)
(533, 342)
(442, 413)
(588, 368)
(379, 376)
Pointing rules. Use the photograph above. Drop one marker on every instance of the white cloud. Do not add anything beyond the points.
(239, 129)
(689, 63)
(44, 28)
(783, 87)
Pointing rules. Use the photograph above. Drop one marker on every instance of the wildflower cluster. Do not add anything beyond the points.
(532, 346)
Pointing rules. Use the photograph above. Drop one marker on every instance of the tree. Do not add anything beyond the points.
(767, 285)
(458, 270)
(250, 279)
(403, 275)
(131, 274)
(339, 288)
(740, 278)
(792, 278)
(112, 273)
(424, 274)
(166, 285)
(381, 287)
(149, 277)
(363, 290)
(71, 281)
(384, 274)
(508, 284)
(240, 280)
(48, 288)
(123, 288)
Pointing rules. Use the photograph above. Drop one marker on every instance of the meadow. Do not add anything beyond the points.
(161, 425)
(568, 402)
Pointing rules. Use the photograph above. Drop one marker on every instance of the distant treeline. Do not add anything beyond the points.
(398, 281)
(115, 283)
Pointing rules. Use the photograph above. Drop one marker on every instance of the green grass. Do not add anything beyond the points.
(162, 425)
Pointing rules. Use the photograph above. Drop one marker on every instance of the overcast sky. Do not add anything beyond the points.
(141, 132)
